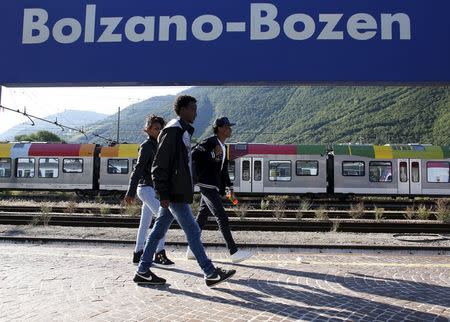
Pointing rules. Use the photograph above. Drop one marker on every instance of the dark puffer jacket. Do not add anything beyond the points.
(142, 173)
(207, 162)
(171, 171)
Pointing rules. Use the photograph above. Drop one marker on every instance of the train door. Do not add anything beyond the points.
(257, 182)
(415, 177)
(252, 175)
(403, 177)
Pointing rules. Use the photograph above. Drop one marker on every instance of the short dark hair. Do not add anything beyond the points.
(152, 119)
(182, 101)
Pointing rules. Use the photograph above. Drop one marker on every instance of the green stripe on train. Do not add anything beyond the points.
(341, 150)
(446, 150)
(359, 150)
(429, 152)
(398, 151)
(311, 149)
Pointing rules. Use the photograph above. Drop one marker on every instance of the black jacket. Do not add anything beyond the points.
(171, 171)
(142, 173)
(207, 162)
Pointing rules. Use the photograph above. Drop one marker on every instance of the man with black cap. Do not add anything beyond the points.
(211, 166)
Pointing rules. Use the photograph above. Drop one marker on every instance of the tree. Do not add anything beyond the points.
(40, 136)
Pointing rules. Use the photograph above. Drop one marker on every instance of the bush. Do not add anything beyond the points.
(443, 210)
(279, 206)
(105, 209)
(379, 212)
(410, 213)
(357, 211)
(265, 204)
(321, 213)
(45, 214)
(241, 210)
(423, 212)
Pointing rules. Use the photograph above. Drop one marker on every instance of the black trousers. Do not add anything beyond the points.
(211, 203)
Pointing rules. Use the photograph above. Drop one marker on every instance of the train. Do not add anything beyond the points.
(255, 168)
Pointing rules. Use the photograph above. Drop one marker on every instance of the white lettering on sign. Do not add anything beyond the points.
(265, 24)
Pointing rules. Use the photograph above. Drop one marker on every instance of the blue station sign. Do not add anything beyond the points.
(192, 42)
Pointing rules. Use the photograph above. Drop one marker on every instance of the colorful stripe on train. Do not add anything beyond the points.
(20, 150)
(397, 151)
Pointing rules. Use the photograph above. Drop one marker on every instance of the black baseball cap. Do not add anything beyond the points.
(222, 121)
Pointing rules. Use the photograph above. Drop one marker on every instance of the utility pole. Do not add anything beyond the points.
(118, 124)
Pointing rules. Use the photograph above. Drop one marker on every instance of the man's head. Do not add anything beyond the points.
(153, 125)
(222, 127)
(185, 107)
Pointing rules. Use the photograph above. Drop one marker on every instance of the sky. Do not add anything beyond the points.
(43, 101)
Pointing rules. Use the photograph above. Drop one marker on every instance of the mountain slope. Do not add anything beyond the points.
(306, 114)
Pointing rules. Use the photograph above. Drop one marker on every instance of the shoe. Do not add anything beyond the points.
(219, 276)
(189, 253)
(240, 255)
(137, 256)
(148, 278)
(161, 259)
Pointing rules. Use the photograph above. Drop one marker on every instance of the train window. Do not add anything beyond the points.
(353, 169)
(246, 170)
(5, 167)
(73, 165)
(438, 171)
(48, 168)
(415, 172)
(403, 172)
(257, 169)
(25, 167)
(280, 171)
(380, 171)
(306, 168)
(231, 169)
(118, 166)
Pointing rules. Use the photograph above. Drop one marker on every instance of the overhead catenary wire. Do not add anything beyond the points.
(62, 126)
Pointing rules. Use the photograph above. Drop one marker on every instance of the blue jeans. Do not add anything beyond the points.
(183, 214)
(150, 206)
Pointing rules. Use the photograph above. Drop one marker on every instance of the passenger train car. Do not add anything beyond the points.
(42, 166)
(391, 170)
(282, 169)
(255, 169)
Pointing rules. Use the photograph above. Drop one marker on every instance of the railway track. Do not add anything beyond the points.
(246, 224)
(232, 211)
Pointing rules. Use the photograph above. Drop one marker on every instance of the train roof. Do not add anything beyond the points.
(16, 150)
(395, 151)
(237, 150)
(120, 151)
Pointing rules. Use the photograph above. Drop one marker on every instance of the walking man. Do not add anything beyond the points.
(211, 166)
(172, 178)
(142, 184)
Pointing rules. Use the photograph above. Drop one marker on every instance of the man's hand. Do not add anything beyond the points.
(165, 203)
(128, 200)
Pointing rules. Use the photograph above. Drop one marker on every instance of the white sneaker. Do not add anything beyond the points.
(240, 255)
(189, 254)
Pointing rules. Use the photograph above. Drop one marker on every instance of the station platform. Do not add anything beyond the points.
(93, 282)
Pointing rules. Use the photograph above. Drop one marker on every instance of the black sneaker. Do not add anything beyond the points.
(161, 259)
(137, 256)
(148, 278)
(219, 276)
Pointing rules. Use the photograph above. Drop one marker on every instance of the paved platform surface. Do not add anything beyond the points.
(59, 282)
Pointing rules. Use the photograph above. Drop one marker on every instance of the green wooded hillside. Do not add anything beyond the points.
(306, 114)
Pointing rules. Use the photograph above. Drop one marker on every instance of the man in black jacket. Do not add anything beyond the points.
(211, 166)
(172, 179)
